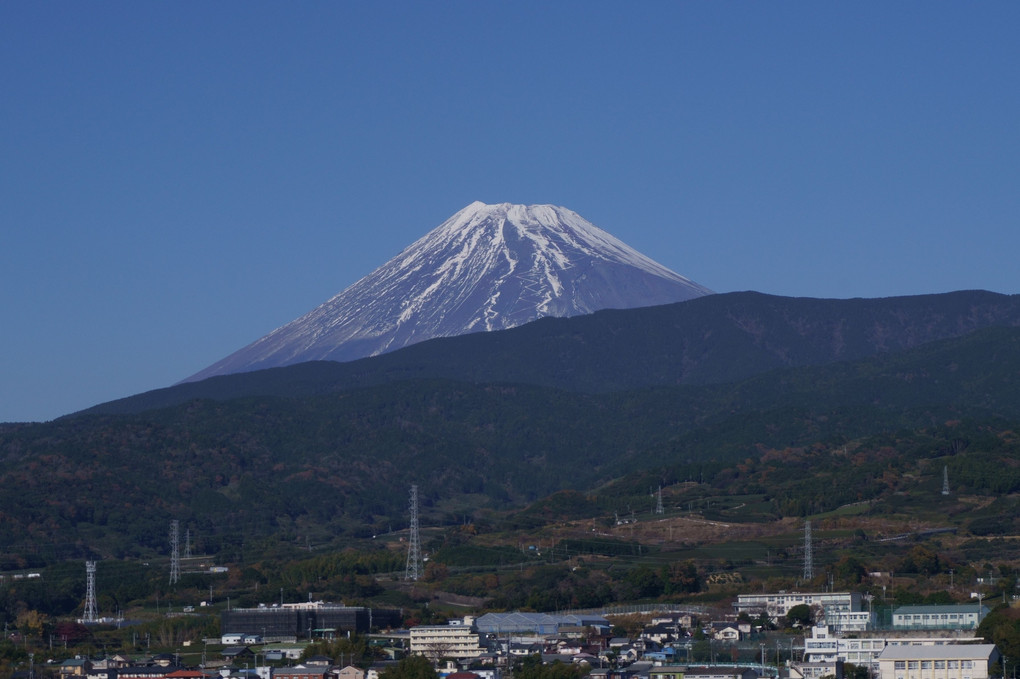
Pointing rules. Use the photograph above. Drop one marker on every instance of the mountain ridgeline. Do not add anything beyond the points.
(715, 339)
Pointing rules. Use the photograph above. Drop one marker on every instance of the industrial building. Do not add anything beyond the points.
(315, 619)
(502, 624)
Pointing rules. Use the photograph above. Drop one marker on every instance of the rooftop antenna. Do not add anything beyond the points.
(945, 480)
(414, 568)
(90, 593)
(809, 568)
(175, 552)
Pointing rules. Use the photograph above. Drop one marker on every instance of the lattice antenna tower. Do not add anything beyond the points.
(90, 593)
(658, 502)
(175, 552)
(945, 480)
(414, 568)
(809, 566)
(187, 544)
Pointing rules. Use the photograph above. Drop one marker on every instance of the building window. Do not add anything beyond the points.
(901, 664)
(954, 664)
(926, 664)
(912, 665)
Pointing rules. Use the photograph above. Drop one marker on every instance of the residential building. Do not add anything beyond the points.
(351, 672)
(725, 631)
(75, 667)
(445, 641)
(661, 633)
(952, 661)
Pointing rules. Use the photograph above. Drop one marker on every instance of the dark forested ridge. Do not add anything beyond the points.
(319, 468)
(716, 339)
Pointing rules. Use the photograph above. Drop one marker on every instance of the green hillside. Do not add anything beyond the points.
(337, 466)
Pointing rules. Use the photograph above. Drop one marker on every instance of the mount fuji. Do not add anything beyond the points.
(488, 267)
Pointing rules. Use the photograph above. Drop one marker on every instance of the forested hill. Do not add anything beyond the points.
(339, 464)
(715, 339)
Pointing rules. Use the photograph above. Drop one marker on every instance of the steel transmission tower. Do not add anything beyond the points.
(809, 566)
(90, 593)
(945, 480)
(175, 552)
(658, 502)
(414, 567)
(187, 544)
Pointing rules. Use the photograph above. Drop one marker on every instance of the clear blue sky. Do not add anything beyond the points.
(177, 179)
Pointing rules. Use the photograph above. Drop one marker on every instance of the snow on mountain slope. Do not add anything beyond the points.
(488, 267)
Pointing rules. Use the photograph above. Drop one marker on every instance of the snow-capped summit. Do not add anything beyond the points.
(488, 267)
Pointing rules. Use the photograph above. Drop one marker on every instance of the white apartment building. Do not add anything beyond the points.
(952, 661)
(826, 646)
(779, 604)
(445, 641)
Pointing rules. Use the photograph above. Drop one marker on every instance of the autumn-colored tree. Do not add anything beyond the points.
(32, 623)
